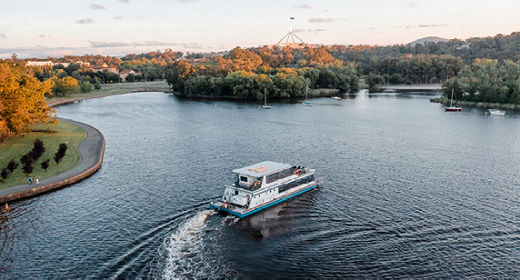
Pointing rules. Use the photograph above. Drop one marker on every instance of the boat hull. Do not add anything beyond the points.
(452, 109)
(255, 210)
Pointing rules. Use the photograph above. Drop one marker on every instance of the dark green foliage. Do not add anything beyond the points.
(396, 79)
(27, 169)
(12, 165)
(486, 80)
(374, 81)
(85, 86)
(27, 159)
(45, 164)
(4, 173)
(38, 149)
(97, 85)
(62, 149)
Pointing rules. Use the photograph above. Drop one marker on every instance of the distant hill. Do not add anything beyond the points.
(431, 39)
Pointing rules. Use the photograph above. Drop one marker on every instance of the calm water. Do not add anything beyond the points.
(409, 191)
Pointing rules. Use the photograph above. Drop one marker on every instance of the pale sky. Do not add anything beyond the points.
(41, 28)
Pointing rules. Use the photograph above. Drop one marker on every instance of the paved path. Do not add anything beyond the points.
(91, 151)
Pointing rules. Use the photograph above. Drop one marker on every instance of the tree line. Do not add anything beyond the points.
(486, 80)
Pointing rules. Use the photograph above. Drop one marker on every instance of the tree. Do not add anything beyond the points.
(4, 173)
(22, 100)
(27, 169)
(65, 86)
(86, 86)
(97, 85)
(12, 165)
(27, 159)
(45, 164)
(373, 81)
(62, 149)
(38, 149)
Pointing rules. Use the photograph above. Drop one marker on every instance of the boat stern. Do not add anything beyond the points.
(220, 207)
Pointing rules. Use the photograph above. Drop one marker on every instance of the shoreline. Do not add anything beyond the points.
(479, 105)
(91, 150)
(412, 88)
(321, 92)
(119, 89)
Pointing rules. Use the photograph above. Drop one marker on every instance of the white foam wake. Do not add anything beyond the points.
(184, 249)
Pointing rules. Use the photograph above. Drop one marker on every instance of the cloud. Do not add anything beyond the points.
(185, 1)
(103, 44)
(322, 20)
(2, 36)
(411, 4)
(124, 1)
(106, 48)
(422, 26)
(97, 7)
(316, 30)
(302, 6)
(121, 17)
(85, 21)
(431, 25)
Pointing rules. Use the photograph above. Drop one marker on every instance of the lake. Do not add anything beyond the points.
(408, 191)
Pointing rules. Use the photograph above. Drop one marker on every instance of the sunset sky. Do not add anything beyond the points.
(116, 27)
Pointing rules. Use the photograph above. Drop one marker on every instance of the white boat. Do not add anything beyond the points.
(336, 98)
(262, 185)
(265, 100)
(452, 108)
(305, 102)
(496, 112)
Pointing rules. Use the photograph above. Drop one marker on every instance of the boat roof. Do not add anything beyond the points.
(262, 168)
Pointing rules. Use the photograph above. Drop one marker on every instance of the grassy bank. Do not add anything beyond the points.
(481, 105)
(51, 135)
(112, 89)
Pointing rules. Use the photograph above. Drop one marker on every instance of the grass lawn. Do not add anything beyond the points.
(51, 135)
(113, 89)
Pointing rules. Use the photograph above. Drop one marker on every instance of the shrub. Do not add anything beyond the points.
(62, 149)
(4, 173)
(12, 165)
(27, 169)
(27, 159)
(45, 164)
(86, 86)
(38, 149)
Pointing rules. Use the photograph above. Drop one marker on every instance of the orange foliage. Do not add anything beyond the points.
(22, 100)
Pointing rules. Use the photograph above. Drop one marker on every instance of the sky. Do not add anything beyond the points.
(37, 28)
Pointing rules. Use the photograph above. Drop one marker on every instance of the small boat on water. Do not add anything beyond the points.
(452, 108)
(265, 100)
(496, 112)
(336, 98)
(262, 185)
(305, 102)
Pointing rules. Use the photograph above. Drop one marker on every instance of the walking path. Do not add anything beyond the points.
(91, 151)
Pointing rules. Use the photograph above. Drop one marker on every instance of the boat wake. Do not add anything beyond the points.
(184, 250)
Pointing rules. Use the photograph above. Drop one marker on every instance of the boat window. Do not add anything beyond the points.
(236, 192)
(243, 179)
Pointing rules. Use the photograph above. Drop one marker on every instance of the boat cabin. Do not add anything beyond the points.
(257, 175)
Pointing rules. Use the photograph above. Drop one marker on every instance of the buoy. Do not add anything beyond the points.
(6, 207)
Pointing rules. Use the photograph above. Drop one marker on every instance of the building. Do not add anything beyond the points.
(124, 74)
(103, 67)
(40, 63)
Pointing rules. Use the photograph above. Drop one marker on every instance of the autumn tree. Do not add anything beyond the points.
(64, 86)
(22, 100)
